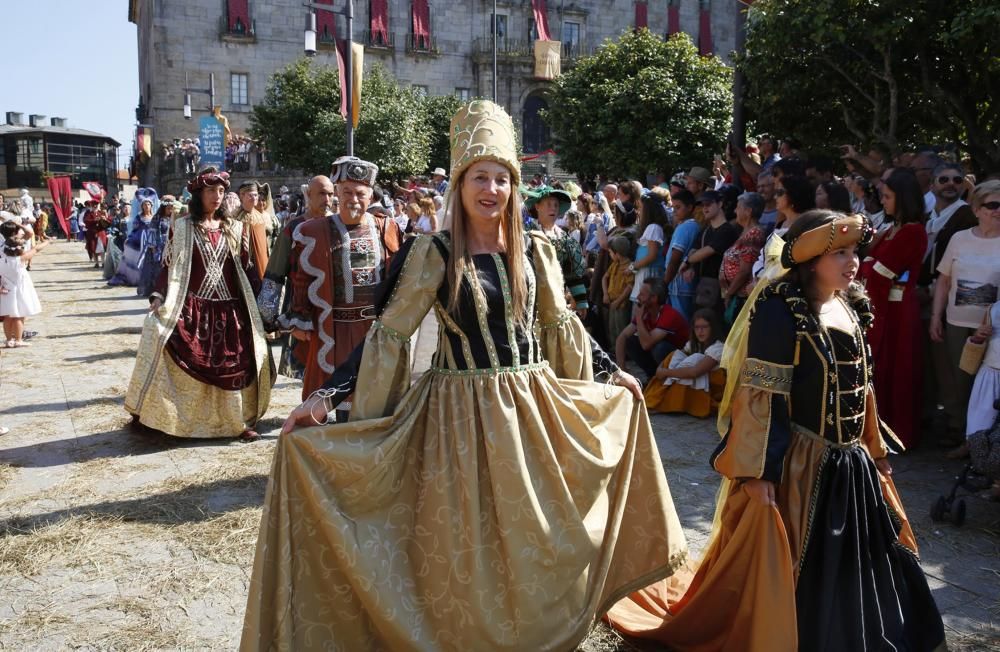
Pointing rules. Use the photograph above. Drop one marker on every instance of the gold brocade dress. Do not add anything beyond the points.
(503, 502)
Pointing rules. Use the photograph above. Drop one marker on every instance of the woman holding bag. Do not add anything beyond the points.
(966, 287)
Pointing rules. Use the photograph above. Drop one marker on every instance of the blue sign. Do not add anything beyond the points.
(213, 143)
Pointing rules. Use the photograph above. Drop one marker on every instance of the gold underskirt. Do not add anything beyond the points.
(499, 511)
(179, 405)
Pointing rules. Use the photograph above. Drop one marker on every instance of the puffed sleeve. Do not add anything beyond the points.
(760, 429)
(566, 345)
(381, 364)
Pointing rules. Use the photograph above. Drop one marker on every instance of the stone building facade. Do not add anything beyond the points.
(243, 42)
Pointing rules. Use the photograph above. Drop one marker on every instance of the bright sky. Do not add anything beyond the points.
(73, 59)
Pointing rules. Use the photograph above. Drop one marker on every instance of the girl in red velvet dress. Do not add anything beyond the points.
(889, 271)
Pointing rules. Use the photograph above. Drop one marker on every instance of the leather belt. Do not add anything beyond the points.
(358, 313)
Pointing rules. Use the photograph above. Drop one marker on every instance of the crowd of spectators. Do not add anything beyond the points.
(671, 263)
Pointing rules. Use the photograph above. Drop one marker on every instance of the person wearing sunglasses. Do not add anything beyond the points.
(950, 215)
(967, 284)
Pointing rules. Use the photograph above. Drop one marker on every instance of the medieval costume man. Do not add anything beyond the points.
(277, 278)
(339, 263)
(96, 223)
(255, 225)
(203, 367)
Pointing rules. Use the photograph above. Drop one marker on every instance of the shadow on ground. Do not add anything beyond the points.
(121, 330)
(64, 405)
(104, 445)
(103, 357)
(190, 504)
(109, 313)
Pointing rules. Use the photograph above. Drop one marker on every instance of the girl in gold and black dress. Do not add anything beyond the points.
(811, 549)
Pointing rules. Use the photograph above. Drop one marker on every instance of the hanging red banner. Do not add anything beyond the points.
(673, 18)
(641, 15)
(705, 46)
(541, 19)
(62, 199)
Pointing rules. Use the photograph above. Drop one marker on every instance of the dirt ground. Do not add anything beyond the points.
(115, 541)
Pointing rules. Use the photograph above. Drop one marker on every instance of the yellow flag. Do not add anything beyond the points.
(357, 70)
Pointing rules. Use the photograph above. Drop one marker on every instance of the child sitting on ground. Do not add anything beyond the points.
(690, 380)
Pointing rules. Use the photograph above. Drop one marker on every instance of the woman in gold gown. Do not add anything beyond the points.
(505, 500)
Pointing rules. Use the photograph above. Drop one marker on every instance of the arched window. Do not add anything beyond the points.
(535, 136)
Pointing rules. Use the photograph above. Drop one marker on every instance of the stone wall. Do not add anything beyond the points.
(178, 37)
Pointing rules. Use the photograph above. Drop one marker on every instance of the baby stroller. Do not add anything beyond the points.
(984, 460)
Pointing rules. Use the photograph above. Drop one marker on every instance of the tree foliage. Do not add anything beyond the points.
(641, 104)
(440, 110)
(300, 121)
(896, 72)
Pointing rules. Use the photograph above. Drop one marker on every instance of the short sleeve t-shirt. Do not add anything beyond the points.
(653, 233)
(684, 236)
(669, 320)
(682, 240)
(719, 239)
(973, 264)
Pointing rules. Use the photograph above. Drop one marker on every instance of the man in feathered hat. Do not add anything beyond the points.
(340, 262)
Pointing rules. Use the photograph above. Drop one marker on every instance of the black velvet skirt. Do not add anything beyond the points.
(859, 589)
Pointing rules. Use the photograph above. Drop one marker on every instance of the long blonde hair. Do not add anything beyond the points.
(460, 259)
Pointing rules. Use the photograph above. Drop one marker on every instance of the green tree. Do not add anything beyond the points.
(896, 72)
(300, 121)
(641, 104)
(440, 110)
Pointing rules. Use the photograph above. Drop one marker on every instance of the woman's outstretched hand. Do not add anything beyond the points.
(883, 466)
(629, 382)
(311, 412)
(760, 491)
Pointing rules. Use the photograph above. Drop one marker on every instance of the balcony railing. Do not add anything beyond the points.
(509, 48)
(379, 40)
(239, 31)
(424, 44)
(506, 47)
